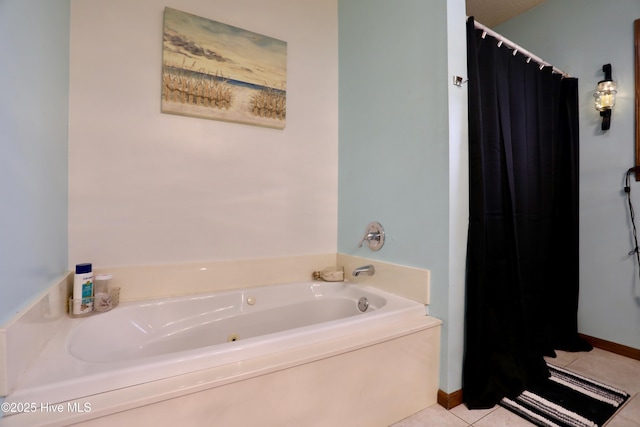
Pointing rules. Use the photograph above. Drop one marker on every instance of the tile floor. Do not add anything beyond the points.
(615, 370)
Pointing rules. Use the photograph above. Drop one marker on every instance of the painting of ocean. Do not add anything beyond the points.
(216, 71)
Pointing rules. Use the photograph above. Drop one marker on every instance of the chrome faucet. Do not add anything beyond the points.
(365, 269)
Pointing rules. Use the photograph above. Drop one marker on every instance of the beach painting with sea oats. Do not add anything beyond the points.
(216, 71)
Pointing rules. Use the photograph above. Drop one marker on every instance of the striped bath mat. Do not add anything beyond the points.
(567, 399)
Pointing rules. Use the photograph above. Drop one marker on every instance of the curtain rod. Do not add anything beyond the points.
(516, 48)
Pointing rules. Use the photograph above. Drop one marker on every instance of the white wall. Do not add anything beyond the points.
(567, 34)
(150, 188)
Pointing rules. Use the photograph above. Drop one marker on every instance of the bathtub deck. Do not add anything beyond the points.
(373, 377)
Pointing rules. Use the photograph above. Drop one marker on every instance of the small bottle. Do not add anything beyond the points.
(330, 274)
(83, 289)
(102, 297)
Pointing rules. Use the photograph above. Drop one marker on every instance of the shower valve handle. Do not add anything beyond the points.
(369, 237)
(374, 236)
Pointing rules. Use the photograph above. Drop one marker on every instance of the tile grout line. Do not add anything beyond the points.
(495, 408)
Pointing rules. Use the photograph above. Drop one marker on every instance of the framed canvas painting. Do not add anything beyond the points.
(216, 71)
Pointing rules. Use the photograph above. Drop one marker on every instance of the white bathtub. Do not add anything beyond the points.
(142, 342)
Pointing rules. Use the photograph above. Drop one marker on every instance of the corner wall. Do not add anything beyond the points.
(34, 41)
(453, 345)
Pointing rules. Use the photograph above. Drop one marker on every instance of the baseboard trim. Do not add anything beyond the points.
(612, 347)
(450, 400)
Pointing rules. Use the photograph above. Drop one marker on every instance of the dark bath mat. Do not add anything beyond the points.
(567, 399)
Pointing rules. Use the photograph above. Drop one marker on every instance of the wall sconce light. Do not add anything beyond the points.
(605, 96)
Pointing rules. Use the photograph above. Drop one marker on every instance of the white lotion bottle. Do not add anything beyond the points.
(83, 289)
(101, 297)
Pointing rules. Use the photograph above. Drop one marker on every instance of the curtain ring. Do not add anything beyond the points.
(484, 34)
(500, 43)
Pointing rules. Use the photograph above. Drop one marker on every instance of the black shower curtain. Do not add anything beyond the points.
(522, 253)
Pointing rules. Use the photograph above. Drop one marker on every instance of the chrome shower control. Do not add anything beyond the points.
(374, 236)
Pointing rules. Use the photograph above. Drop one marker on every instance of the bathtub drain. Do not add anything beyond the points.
(363, 304)
(233, 337)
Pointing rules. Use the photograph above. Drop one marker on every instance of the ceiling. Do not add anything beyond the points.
(494, 12)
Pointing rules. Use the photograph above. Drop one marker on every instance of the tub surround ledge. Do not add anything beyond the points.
(24, 336)
(3, 364)
(169, 280)
(408, 282)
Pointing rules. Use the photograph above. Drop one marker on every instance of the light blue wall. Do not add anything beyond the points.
(34, 106)
(579, 36)
(394, 147)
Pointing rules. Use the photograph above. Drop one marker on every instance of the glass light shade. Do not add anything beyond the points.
(605, 95)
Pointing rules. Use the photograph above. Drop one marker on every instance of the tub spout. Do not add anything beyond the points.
(365, 269)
